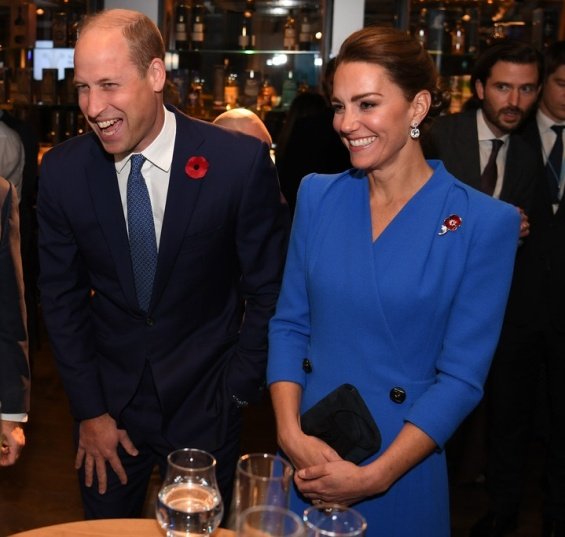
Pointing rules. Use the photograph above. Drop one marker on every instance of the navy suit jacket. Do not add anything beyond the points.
(221, 255)
(539, 275)
(454, 139)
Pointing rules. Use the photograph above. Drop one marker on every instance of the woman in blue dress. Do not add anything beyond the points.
(396, 282)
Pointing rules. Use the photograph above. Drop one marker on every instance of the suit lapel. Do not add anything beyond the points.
(468, 149)
(103, 185)
(182, 196)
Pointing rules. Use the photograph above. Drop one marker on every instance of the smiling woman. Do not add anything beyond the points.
(382, 262)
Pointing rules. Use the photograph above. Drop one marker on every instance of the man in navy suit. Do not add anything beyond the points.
(163, 356)
(506, 81)
(534, 331)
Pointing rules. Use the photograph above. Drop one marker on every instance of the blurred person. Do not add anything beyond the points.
(14, 367)
(533, 340)
(162, 240)
(12, 157)
(246, 121)
(396, 281)
(28, 220)
(307, 143)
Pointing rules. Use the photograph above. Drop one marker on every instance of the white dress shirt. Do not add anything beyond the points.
(485, 149)
(548, 135)
(156, 171)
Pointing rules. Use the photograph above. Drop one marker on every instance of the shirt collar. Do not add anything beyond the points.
(484, 131)
(545, 122)
(160, 151)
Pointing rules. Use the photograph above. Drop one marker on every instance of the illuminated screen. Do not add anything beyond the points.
(51, 58)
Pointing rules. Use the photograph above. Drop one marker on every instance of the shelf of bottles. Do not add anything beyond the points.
(36, 74)
(454, 32)
(252, 54)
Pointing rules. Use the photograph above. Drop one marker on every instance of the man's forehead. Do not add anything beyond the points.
(526, 73)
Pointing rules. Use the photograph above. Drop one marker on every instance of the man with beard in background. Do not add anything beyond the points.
(481, 147)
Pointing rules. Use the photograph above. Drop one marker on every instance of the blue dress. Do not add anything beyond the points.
(419, 309)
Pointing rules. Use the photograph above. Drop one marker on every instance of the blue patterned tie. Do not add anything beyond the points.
(142, 242)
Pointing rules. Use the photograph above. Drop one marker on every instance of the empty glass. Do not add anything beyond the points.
(269, 521)
(333, 520)
(261, 479)
(189, 501)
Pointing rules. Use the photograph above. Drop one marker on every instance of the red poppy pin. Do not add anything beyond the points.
(196, 167)
(451, 223)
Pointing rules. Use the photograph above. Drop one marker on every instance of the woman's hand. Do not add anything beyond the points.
(336, 482)
(304, 451)
(343, 482)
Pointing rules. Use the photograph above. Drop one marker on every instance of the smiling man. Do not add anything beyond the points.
(161, 260)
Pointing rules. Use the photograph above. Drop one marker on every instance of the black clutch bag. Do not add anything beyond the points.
(343, 421)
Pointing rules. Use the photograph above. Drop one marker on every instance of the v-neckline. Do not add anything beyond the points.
(400, 212)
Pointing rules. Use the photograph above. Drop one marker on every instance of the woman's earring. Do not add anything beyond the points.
(414, 131)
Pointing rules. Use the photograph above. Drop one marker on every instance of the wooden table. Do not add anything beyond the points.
(120, 527)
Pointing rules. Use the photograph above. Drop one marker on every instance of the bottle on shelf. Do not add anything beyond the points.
(182, 26)
(458, 38)
(59, 29)
(421, 29)
(194, 103)
(436, 31)
(471, 24)
(231, 90)
(72, 28)
(250, 89)
(43, 24)
(198, 29)
(289, 35)
(289, 91)
(218, 83)
(246, 38)
(305, 33)
(18, 30)
(265, 99)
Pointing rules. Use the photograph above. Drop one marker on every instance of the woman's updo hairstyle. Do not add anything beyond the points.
(407, 63)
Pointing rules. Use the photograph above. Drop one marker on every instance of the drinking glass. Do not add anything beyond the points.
(269, 521)
(261, 479)
(189, 501)
(333, 520)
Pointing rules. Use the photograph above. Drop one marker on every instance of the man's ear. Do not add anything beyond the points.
(157, 73)
(480, 89)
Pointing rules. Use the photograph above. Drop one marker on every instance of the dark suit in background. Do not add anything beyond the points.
(453, 138)
(532, 343)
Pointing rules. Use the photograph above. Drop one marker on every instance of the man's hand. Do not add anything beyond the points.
(524, 223)
(12, 441)
(98, 442)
